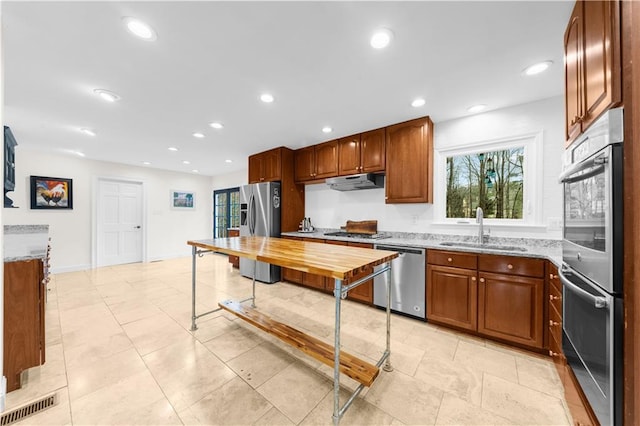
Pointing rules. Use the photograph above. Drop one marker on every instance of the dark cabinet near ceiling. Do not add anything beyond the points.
(24, 303)
(266, 166)
(9, 165)
(363, 153)
(277, 165)
(316, 162)
(409, 162)
(592, 64)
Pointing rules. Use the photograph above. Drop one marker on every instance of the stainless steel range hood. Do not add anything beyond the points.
(354, 182)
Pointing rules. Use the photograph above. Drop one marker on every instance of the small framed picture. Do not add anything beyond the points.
(51, 193)
(183, 200)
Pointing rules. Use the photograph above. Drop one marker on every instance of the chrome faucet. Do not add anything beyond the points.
(482, 238)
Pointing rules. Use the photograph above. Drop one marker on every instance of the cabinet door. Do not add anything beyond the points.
(349, 155)
(511, 308)
(326, 160)
(256, 166)
(304, 163)
(372, 151)
(409, 149)
(452, 296)
(23, 307)
(272, 167)
(601, 63)
(573, 73)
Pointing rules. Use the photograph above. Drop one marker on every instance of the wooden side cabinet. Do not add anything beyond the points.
(592, 63)
(409, 162)
(317, 162)
(24, 303)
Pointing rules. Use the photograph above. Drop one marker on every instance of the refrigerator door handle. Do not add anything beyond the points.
(252, 216)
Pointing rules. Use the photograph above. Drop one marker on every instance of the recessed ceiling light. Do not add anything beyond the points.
(80, 154)
(476, 108)
(537, 68)
(228, 161)
(266, 98)
(172, 148)
(139, 28)
(418, 102)
(381, 38)
(195, 170)
(146, 163)
(106, 95)
(186, 162)
(87, 131)
(216, 125)
(198, 135)
(327, 129)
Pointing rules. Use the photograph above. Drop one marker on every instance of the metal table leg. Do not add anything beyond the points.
(337, 291)
(388, 277)
(194, 252)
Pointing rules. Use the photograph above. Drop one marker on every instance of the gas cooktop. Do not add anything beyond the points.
(356, 235)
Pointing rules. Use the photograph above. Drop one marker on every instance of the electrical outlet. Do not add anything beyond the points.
(554, 223)
(414, 219)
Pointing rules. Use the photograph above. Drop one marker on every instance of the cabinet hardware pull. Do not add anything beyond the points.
(481, 280)
(473, 278)
(449, 259)
(510, 266)
(552, 353)
(555, 277)
(553, 323)
(552, 297)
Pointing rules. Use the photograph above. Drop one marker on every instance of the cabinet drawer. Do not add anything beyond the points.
(511, 265)
(555, 324)
(452, 258)
(555, 297)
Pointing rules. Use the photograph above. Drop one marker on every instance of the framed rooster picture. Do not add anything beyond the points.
(51, 193)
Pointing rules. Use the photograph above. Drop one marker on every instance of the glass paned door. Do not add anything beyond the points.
(226, 211)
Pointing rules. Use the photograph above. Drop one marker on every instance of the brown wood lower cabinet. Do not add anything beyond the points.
(511, 308)
(234, 260)
(496, 296)
(304, 278)
(24, 300)
(364, 292)
(451, 296)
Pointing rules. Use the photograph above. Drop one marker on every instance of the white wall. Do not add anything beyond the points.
(167, 230)
(230, 180)
(330, 209)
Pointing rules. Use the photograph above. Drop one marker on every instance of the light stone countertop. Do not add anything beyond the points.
(538, 248)
(25, 242)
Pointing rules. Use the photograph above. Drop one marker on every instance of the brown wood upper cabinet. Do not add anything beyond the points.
(363, 153)
(592, 64)
(266, 166)
(316, 162)
(409, 162)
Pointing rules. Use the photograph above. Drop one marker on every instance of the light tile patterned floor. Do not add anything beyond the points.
(119, 351)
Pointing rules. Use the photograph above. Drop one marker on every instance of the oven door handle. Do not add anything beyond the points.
(598, 301)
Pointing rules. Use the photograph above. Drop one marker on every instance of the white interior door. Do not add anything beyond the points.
(119, 220)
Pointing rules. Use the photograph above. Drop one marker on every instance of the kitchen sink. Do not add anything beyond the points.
(482, 246)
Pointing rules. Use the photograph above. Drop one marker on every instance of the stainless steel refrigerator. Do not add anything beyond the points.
(260, 216)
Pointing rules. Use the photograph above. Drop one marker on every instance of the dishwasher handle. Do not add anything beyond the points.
(401, 250)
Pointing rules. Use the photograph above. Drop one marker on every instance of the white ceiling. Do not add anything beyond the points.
(212, 60)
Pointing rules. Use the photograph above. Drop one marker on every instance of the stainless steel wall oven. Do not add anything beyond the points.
(592, 254)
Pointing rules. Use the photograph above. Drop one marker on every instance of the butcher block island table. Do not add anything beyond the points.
(338, 262)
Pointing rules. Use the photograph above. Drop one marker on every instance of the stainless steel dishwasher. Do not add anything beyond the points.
(407, 281)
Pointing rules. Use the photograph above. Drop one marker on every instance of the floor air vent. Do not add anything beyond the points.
(30, 409)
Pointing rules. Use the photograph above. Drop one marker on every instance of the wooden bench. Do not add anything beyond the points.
(352, 366)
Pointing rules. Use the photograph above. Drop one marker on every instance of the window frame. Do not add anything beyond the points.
(228, 192)
(532, 175)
